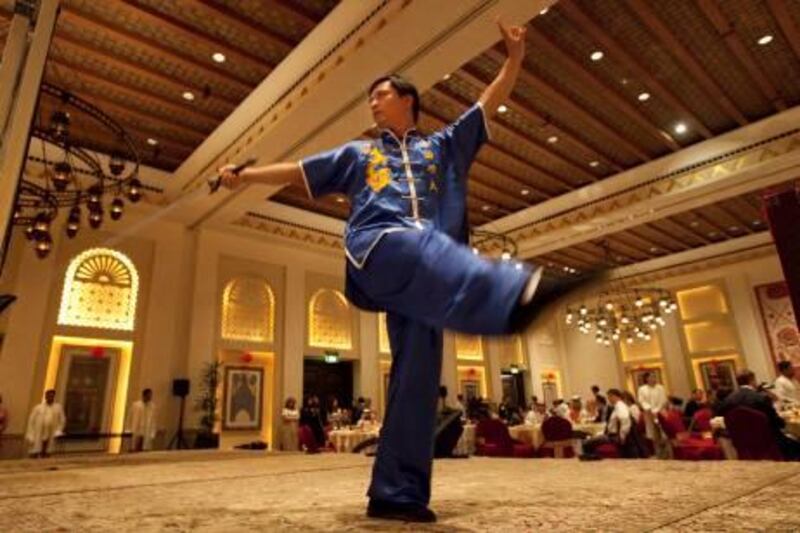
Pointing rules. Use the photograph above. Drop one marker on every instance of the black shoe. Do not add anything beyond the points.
(405, 512)
(549, 291)
(589, 457)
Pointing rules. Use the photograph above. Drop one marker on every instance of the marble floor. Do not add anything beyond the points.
(253, 491)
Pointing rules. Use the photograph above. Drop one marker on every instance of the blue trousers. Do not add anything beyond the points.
(426, 282)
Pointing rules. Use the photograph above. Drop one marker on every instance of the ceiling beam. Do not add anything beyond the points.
(472, 76)
(520, 137)
(784, 19)
(685, 57)
(133, 9)
(559, 99)
(245, 25)
(621, 54)
(679, 226)
(95, 83)
(585, 78)
(234, 83)
(727, 31)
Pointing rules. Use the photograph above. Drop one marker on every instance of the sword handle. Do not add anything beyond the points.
(215, 182)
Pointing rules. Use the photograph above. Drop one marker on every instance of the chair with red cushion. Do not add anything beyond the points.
(751, 435)
(684, 446)
(558, 439)
(494, 440)
(701, 421)
(305, 437)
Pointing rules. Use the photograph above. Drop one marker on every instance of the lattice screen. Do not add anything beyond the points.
(329, 320)
(248, 310)
(100, 290)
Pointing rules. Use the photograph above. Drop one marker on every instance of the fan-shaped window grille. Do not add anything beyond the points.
(329, 320)
(383, 335)
(248, 310)
(469, 347)
(100, 290)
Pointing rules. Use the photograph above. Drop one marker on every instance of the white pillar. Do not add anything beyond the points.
(15, 144)
(11, 64)
(294, 333)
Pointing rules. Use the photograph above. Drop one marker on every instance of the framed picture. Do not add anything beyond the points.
(242, 398)
(780, 324)
(718, 374)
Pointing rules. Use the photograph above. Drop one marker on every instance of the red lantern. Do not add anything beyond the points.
(98, 352)
(247, 357)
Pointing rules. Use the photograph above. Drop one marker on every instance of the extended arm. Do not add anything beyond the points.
(275, 174)
(499, 90)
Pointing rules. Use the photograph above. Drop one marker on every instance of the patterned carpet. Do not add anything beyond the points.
(251, 491)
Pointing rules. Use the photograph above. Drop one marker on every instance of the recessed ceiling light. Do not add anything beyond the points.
(544, 11)
(594, 163)
(712, 234)
(525, 192)
(340, 199)
(486, 207)
(566, 269)
(446, 77)
(694, 223)
(597, 55)
(680, 128)
(643, 97)
(552, 139)
(151, 141)
(188, 95)
(756, 222)
(624, 81)
(502, 108)
(733, 228)
(765, 40)
(653, 249)
(219, 57)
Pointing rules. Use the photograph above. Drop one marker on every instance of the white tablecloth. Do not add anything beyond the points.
(344, 440)
(466, 444)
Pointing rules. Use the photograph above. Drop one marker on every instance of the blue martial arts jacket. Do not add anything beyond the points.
(400, 184)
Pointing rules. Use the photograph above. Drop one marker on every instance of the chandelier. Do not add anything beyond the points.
(72, 177)
(622, 313)
(489, 241)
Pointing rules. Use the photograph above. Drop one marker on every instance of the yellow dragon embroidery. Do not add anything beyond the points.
(378, 174)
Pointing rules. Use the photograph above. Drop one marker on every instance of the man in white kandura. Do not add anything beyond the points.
(46, 422)
(653, 399)
(786, 387)
(142, 422)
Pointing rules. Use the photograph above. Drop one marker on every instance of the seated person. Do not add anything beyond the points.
(695, 403)
(536, 415)
(603, 409)
(617, 428)
(633, 407)
(748, 396)
(560, 408)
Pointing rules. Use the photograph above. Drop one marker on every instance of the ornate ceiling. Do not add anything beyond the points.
(607, 87)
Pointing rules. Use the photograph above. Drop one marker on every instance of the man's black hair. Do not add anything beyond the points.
(784, 365)
(403, 88)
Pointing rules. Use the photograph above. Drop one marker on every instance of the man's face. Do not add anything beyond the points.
(147, 396)
(389, 109)
(788, 372)
(698, 395)
(651, 380)
(50, 397)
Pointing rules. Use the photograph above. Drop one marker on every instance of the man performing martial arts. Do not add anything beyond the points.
(406, 255)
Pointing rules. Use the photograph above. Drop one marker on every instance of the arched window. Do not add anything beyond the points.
(248, 310)
(329, 320)
(100, 290)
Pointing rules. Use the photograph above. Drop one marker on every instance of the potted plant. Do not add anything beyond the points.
(206, 403)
